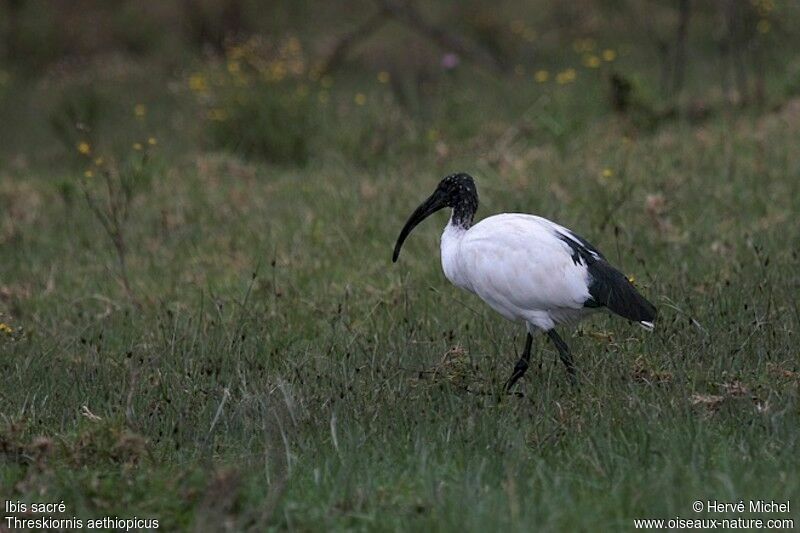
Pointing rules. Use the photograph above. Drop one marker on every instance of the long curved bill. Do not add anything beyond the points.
(428, 207)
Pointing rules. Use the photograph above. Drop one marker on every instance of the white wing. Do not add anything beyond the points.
(518, 264)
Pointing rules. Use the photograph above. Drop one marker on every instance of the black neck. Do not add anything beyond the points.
(464, 209)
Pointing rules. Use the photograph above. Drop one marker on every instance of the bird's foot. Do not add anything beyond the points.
(519, 370)
(572, 377)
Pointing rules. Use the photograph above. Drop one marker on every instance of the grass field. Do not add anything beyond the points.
(268, 366)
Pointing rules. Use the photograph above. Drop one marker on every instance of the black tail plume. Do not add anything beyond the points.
(610, 288)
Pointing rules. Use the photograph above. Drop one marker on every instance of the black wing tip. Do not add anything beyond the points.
(610, 288)
(648, 310)
(647, 313)
(637, 310)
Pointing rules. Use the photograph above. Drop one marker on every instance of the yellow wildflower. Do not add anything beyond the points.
(293, 45)
(763, 6)
(383, 76)
(88, 173)
(566, 76)
(98, 161)
(277, 71)
(296, 66)
(607, 173)
(236, 52)
(583, 45)
(152, 141)
(84, 148)
(541, 76)
(609, 55)
(197, 83)
(5, 328)
(137, 147)
(591, 61)
(140, 110)
(360, 99)
(218, 115)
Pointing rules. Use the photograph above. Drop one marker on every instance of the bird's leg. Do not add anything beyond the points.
(564, 353)
(522, 365)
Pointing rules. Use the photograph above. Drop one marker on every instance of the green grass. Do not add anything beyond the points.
(273, 367)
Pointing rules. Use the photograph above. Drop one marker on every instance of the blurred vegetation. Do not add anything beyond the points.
(199, 320)
(258, 101)
(271, 79)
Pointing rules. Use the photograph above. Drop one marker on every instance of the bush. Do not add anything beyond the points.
(257, 102)
(271, 123)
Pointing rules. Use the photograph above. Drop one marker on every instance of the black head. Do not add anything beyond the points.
(456, 191)
(456, 188)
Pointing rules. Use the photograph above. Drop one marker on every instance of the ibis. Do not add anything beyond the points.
(530, 270)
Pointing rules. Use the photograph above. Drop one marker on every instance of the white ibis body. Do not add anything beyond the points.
(527, 268)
